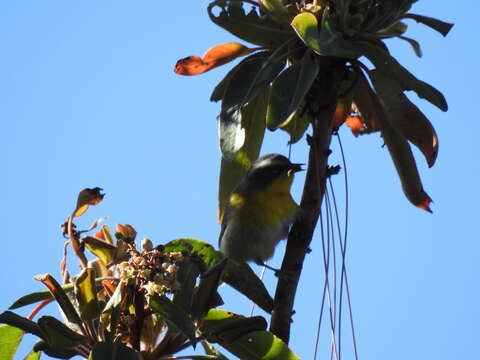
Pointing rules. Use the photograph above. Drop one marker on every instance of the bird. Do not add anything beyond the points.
(260, 210)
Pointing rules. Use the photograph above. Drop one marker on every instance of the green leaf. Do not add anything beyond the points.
(244, 337)
(289, 90)
(17, 321)
(10, 338)
(405, 117)
(58, 335)
(110, 351)
(236, 274)
(225, 327)
(260, 345)
(86, 294)
(250, 27)
(173, 315)
(233, 170)
(276, 9)
(61, 298)
(366, 100)
(219, 90)
(101, 249)
(111, 311)
(296, 125)
(212, 350)
(415, 45)
(33, 355)
(403, 160)
(199, 248)
(243, 86)
(440, 26)
(187, 273)
(389, 65)
(206, 296)
(327, 42)
(54, 352)
(37, 296)
(241, 277)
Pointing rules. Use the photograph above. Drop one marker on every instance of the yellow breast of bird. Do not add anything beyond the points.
(269, 206)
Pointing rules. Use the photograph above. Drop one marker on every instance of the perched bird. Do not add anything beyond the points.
(260, 210)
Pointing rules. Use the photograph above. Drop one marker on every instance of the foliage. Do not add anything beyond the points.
(312, 39)
(142, 304)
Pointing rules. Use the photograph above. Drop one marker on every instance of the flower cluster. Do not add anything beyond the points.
(153, 270)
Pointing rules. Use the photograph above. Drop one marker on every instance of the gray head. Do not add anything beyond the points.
(265, 170)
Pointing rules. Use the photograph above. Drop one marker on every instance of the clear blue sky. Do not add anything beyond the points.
(88, 98)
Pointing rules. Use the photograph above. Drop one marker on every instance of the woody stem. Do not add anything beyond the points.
(302, 230)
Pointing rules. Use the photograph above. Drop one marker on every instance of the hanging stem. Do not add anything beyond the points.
(302, 230)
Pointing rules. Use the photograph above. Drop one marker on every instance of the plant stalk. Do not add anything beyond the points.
(302, 230)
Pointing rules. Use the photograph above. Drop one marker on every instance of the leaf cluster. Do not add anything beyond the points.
(147, 303)
(279, 86)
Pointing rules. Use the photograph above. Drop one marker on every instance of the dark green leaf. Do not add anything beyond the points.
(289, 90)
(366, 100)
(61, 298)
(54, 352)
(219, 90)
(405, 117)
(187, 273)
(59, 336)
(389, 65)
(10, 338)
(296, 125)
(440, 26)
(242, 278)
(43, 295)
(225, 327)
(415, 45)
(244, 337)
(327, 42)
(110, 351)
(174, 315)
(403, 160)
(245, 83)
(233, 170)
(250, 27)
(206, 295)
(238, 275)
(36, 297)
(28, 326)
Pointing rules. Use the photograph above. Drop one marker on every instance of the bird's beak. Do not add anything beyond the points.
(295, 168)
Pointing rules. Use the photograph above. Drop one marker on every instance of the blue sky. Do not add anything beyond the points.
(88, 98)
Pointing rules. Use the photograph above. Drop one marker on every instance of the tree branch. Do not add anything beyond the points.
(302, 230)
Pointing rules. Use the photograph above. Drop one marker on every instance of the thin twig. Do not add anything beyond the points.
(39, 307)
(331, 304)
(344, 270)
